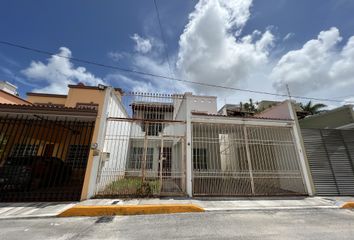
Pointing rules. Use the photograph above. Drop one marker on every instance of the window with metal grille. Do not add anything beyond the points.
(137, 155)
(154, 128)
(24, 150)
(200, 159)
(77, 155)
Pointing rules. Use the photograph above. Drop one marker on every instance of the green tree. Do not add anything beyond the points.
(313, 108)
(248, 106)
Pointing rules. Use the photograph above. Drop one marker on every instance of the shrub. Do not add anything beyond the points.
(133, 186)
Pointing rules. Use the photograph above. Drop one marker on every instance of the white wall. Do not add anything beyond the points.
(8, 87)
(205, 104)
(116, 142)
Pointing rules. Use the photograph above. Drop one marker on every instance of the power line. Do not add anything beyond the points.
(43, 52)
(163, 38)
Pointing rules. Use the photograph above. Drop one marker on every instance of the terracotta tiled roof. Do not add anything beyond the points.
(45, 107)
(46, 95)
(237, 117)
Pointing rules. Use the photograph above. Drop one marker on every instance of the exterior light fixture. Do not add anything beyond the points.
(101, 87)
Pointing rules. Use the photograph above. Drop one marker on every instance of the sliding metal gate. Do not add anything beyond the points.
(331, 157)
(239, 160)
(42, 158)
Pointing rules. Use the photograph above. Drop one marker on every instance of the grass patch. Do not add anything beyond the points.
(133, 186)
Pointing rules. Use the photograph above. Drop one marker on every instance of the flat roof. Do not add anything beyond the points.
(47, 95)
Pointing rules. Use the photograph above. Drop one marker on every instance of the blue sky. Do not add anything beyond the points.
(219, 44)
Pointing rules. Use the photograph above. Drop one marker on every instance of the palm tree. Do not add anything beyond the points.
(313, 108)
(248, 106)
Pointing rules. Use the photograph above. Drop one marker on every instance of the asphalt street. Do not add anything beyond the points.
(281, 224)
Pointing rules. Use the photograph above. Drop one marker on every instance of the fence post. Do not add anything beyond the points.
(143, 164)
(161, 161)
(249, 158)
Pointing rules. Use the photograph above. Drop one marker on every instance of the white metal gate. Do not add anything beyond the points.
(240, 160)
(146, 147)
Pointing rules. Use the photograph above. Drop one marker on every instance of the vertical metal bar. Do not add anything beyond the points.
(48, 176)
(57, 175)
(161, 161)
(7, 123)
(143, 164)
(249, 158)
(3, 121)
(62, 146)
(15, 127)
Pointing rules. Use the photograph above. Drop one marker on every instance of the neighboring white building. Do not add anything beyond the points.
(8, 87)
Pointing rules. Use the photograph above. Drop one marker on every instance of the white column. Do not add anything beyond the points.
(100, 142)
(189, 164)
(301, 150)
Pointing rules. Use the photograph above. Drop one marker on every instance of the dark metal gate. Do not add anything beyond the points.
(330, 153)
(43, 158)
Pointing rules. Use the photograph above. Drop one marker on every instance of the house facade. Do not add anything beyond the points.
(49, 144)
(181, 145)
(109, 143)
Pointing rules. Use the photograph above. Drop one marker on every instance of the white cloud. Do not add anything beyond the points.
(342, 69)
(288, 36)
(211, 49)
(116, 56)
(129, 83)
(318, 65)
(58, 73)
(14, 78)
(153, 64)
(142, 45)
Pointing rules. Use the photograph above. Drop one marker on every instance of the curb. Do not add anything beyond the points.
(348, 205)
(91, 211)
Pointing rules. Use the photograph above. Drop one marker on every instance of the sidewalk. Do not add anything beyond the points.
(40, 210)
(33, 210)
(225, 204)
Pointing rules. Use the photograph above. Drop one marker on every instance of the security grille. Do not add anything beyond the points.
(145, 140)
(239, 160)
(330, 153)
(38, 160)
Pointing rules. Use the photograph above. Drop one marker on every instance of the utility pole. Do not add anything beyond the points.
(288, 90)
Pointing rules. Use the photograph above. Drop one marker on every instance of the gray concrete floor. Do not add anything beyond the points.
(31, 210)
(276, 224)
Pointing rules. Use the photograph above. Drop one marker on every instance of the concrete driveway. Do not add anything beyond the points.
(297, 224)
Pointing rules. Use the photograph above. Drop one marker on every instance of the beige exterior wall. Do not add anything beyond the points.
(83, 95)
(86, 95)
(8, 98)
(280, 111)
(46, 99)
